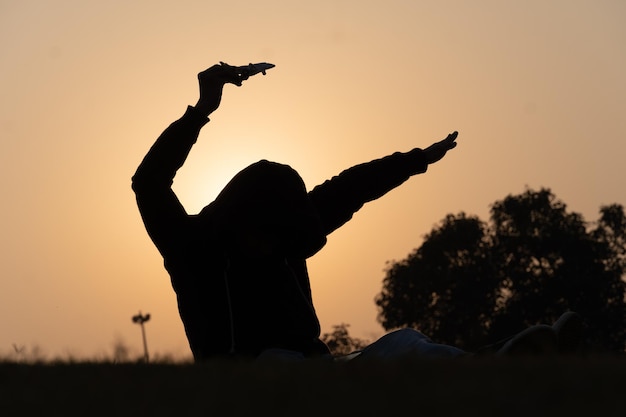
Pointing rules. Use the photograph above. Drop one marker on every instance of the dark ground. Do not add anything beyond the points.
(460, 387)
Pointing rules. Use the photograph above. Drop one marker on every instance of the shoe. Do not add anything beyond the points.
(536, 340)
(569, 331)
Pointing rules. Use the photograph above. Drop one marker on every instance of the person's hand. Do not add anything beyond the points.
(437, 150)
(211, 82)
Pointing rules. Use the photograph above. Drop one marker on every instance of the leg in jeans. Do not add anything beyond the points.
(408, 342)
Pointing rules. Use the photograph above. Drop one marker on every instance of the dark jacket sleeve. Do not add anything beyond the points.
(337, 199)
(161, 211)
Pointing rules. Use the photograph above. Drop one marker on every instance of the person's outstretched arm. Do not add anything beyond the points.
(161, 211)
(337, 199)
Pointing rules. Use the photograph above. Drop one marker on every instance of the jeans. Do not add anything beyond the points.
(399, 343)
(408, 342)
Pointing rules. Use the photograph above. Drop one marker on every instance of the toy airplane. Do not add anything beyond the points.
(253, 69)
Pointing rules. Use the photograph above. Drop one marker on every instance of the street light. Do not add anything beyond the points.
(139, 319)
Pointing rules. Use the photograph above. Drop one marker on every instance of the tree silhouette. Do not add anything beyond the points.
(444, 286)
(471, 283)
(340, 342)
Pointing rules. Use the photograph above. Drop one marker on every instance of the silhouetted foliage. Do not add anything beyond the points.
(471, 283)
(340, 342)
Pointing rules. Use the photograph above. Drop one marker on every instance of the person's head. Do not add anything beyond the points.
(265, 211)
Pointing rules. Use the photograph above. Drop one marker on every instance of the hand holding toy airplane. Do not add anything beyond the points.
(252, 69)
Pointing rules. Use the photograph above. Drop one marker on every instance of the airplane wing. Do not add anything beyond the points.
(253, 69)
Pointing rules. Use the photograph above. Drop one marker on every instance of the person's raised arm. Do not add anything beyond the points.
(337, 199)
(161, 211)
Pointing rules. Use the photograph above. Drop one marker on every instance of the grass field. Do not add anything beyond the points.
(460, 387)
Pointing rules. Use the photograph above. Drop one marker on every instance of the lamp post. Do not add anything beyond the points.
(139, 319)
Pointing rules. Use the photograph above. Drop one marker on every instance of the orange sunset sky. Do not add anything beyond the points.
(535, 88)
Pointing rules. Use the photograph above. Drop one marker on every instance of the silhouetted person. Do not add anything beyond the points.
(239, 266)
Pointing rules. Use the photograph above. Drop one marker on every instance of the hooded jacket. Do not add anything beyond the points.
(238, 268)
